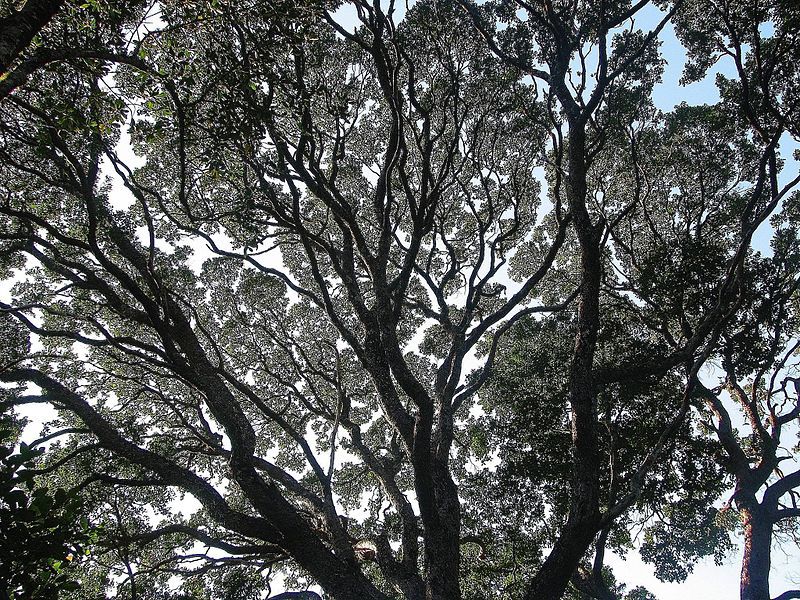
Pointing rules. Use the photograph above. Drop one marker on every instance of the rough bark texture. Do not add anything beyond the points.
(754, 582)
(442, 548)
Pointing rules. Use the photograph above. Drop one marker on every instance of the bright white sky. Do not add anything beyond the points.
(709, 581)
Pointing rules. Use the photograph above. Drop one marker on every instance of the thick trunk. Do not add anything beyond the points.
(754, 583)
(441, 566)
(442, 524)
(340, 579)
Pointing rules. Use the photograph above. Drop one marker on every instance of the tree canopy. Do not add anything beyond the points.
(430, 302)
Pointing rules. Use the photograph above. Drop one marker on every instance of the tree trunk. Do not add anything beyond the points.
(584, 514)
(442, 539)
(754, 583)
(552, 579)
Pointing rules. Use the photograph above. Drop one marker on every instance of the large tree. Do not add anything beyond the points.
(285, 296)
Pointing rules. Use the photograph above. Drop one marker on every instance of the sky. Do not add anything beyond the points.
(708, 581)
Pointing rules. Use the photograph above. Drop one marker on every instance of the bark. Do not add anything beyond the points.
(18, 29)
(584, 516)
(754, 582)
(339, 575)
(442, 540)
(280, 526)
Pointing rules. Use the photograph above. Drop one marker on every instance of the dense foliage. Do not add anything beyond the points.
(44, 533)
(428, 301)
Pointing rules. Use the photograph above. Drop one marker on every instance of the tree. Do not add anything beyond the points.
(674, 514)
(20, 26)
(281, 316)
(43, 533)
(698, 206)
(43, 33)
(759, 362)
